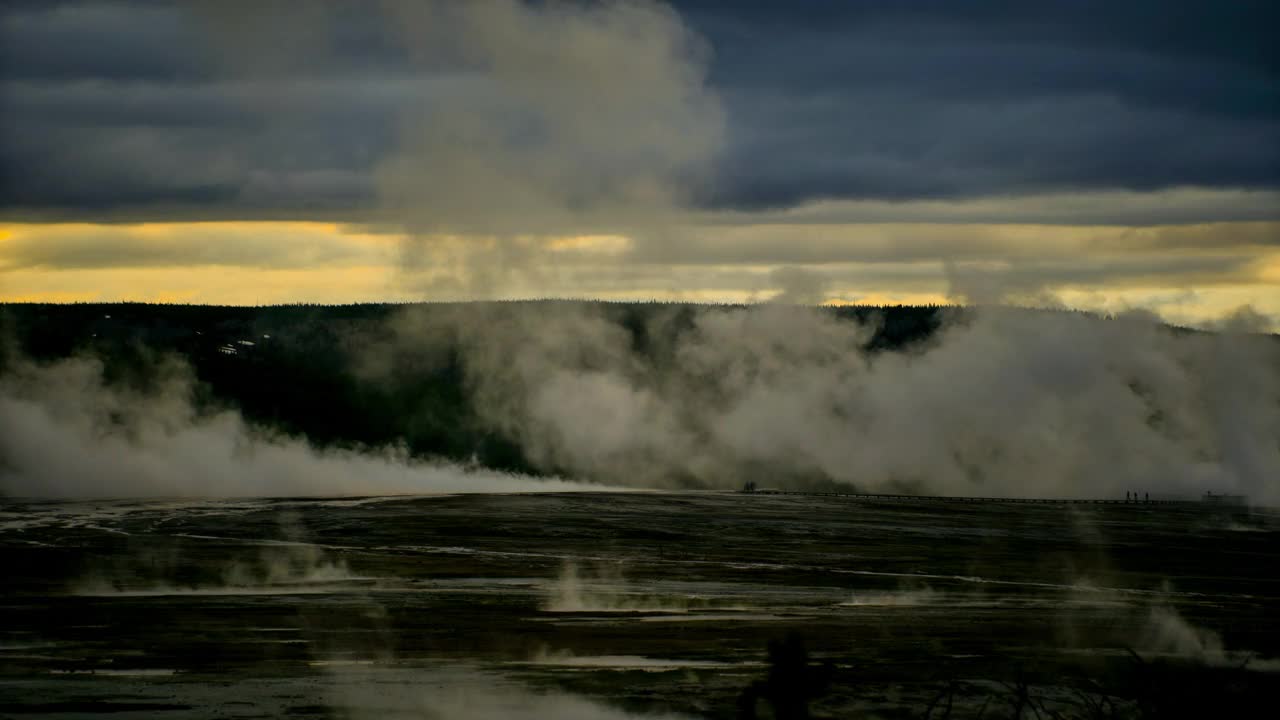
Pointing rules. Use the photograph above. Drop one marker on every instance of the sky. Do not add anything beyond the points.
(1099, 155)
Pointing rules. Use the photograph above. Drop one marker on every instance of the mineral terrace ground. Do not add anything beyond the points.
(630, 604)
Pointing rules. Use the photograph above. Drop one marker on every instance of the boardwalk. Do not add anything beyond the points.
(968, 499)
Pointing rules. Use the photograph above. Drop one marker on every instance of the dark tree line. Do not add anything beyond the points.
(290, 368)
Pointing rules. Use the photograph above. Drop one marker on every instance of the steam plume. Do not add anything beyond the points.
(1000, 402)
(69, 434)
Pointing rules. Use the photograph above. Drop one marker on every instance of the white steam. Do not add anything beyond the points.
(515, 124)
(542, 120)
(549, 117)
(604, 590)
(1167, 634)
(66, 433)
(282, 568)
(999, 402)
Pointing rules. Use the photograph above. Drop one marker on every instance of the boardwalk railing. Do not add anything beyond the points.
(968, 499)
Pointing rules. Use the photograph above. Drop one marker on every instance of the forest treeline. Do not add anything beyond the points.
(292, 368)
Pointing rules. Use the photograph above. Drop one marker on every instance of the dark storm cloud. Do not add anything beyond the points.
(1239, 32)
(123, 108)
(898, 145)
(207, 149)
(72, 41)
(128, 111)
(902, 242)
(908, 100)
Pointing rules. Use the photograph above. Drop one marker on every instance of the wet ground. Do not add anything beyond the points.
(604, 605)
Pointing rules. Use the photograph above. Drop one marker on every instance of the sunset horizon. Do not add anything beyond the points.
(219, 154)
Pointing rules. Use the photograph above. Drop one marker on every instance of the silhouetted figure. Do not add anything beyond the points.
(1126, 497)
(791, 683)
(1146, 497)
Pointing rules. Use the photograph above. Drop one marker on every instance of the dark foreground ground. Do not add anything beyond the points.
(634, 605)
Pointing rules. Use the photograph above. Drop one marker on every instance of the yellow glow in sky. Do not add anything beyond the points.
(1187, 273)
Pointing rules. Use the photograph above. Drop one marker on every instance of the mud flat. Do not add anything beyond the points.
(622, 605)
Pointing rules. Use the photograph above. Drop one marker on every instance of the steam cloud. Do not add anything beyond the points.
(530, 120)
(69, 434)
(585, 118)
(1001, 402)
(517, 123)
(604, 589)
(579, 114)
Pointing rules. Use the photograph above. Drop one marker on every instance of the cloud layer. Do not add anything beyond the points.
(268, 109)
(1098, 155)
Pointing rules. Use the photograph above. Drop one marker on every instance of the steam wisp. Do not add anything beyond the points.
(606, 591)
(69, 434)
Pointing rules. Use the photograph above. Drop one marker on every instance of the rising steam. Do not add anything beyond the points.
(582, 118)
(67, 433)
(515, 125)
(1000, 402)
(605, 590)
